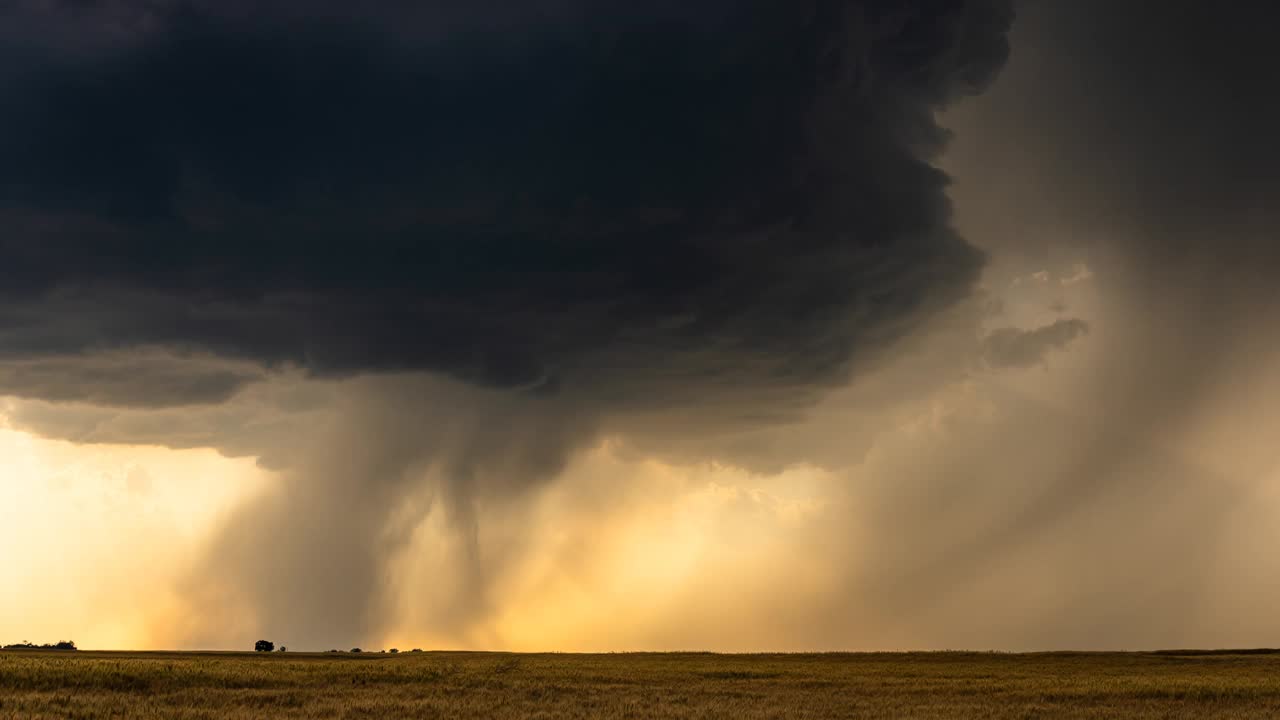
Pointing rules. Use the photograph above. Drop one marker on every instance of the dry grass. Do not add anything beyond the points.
(482, 685)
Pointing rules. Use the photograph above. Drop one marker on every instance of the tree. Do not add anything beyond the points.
(356, 650)
(283, 649)
(394, 651)
(264, 646)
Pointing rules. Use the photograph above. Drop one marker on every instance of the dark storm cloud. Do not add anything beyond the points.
(729, 190)
(1011, 347)
(693, 217)
(716, 208)
(711, 209)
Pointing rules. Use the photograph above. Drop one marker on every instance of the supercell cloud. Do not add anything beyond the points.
(544, 314)
(511, 230)
(675, 198)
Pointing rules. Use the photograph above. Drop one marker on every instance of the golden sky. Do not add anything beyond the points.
(94, 535)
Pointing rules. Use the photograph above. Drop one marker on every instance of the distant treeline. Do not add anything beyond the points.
(1226, 651)
(60, 645)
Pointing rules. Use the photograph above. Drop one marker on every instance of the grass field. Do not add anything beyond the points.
(87, 685)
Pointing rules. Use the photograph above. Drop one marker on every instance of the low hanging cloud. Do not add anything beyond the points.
(1011, 347)
(143, 378)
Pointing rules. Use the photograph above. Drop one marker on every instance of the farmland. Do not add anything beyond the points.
(91, 685)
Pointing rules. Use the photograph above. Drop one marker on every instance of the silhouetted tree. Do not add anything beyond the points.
(394, 651)
(283, 649)
(356, 650)
(28, 645)
(264, 646)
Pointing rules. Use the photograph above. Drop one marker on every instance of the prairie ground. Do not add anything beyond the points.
(91, 685)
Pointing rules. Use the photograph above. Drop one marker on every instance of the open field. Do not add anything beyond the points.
(88, 685)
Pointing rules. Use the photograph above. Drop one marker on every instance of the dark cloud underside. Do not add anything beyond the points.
(513, 196)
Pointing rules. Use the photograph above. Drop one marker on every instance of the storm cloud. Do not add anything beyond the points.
(553, 313)
(536, 223)
(726, 190)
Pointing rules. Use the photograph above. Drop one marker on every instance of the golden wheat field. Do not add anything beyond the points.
(89, 685)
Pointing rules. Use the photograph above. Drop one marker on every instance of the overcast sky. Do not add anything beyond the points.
(567, 325)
